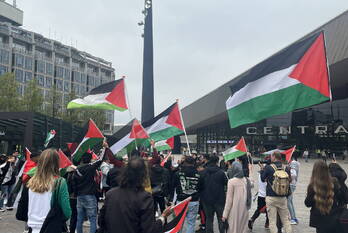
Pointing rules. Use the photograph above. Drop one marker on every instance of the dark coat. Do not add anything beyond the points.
(188, 183)
(330, 221)
(159, 177)
(214, 185)
(84, 183)
(127, 211)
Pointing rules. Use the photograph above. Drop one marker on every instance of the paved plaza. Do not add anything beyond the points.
(8, 223)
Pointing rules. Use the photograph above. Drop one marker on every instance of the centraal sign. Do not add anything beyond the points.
(318, 129)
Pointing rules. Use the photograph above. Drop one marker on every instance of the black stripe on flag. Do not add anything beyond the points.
(281, 60)
(163, 114)
(104, 88)
(172, 224)
(120, 133)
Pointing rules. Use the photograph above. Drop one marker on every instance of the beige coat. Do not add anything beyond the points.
(235, 210)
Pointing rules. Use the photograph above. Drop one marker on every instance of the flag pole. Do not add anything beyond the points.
(183, 124)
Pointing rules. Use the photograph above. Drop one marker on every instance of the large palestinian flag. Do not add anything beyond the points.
(179, 212)
(165, 144)
(128, 138)
(108, 96)
(294, 78)
(166, 125)
(236, 151)
(92, 137)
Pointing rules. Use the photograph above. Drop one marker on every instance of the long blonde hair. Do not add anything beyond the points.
(323, 186)
(47, 170)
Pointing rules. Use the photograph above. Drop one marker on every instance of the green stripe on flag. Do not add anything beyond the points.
(87, 143)
(102, 106)
(233, 155)
(275, 103)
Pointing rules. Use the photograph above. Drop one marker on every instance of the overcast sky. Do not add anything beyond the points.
(198, 44)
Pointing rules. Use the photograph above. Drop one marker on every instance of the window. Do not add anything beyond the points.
(3, 70)
(76, 89)
(97, 81)
(28, 76)
(66, 86)
(49, 69)
(67, 74)
(76, 77)
(59, 85)
(83, 90)
(40, 67)
(47, 95)
(59, 72)
(48, 82)
(83, 78)
(40, 80)
(19, 75)
(4, 56)
(91, 81)
(19, 60)
(28, 63)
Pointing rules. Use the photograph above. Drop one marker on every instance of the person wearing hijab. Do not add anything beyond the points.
(238, 200)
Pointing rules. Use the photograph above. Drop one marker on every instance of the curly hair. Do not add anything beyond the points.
(134, 175)
(322, 185)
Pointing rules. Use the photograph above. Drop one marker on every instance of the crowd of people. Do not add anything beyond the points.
(136, 195)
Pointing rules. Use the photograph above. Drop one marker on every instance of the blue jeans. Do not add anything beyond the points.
(291, 206)
(191, 215)
(86, 207)
(5, 193)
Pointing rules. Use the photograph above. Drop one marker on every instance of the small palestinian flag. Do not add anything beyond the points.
(179, 212)
(288, 153)
(128, 138)
(108, 96)
(92, 137)
(166, 125)
(50, 136)
(63, 160)
(295, 78)
(270, 152)
(236, 151)
(165, 159)
(29, 166)
(165, 144)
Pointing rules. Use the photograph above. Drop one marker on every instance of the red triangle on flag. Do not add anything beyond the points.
(138, 131)
(117, 96)
(72, 146)
(165, 159)
(63, 160)
(180, 211)
(288, 153)
(312, 68)
(94, 156)
(170, 142)
(241, 146)
(93, 130)
(29, 164)
(174, 118)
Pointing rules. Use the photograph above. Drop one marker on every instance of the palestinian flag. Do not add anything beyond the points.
(166, 125)
(270, 152)
(92, 137)
(236, 151)
(128, 138)
(294, 78)
(29, 166)
(108, 96)
(50, 136)
(165, 144)
(94, 155)
(72, 146)
(63, 160)
(179, 212)
(288, 153)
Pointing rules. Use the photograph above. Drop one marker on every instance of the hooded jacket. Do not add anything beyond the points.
(159, 177)
(187, 183)
(214, 183)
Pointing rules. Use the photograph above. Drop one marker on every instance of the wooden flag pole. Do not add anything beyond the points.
(183, 124)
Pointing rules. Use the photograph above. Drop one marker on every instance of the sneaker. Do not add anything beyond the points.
(293, 222)
(267, 225)
(250, 224)
(9, 208)
(296, 220)
(2, 210)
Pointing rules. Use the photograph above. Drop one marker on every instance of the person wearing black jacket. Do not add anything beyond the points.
(276, 205)
(213, 194)
(8, 179)
(327, 198)
(85, 189)
(188, 183)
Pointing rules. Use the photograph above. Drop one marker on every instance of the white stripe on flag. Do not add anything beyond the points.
(159, 125)
(270, 83)
(92, 99)
(122, 143)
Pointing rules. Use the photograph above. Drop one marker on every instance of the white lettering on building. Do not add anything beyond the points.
(303, 128)
(321, 129)
(251, 130)
(284, 130)
(341, 129)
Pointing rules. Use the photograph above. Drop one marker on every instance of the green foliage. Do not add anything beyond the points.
(10, 99)
(33, 97)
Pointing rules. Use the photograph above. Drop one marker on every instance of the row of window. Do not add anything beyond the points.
(4, 56)
(23, 61)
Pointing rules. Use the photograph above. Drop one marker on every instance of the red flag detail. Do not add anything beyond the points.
(165, 159)
(174, 118)
(138, 131)
(241, 146)
(288, 153)
(29, 164)
(117, 96)
(93, 131)
(170, 142)
(72, 147)
(94, 156)
(180, 210)
(63, 160)
(312, 68)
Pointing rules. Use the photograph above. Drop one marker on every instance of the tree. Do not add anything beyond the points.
(54, 107)
(10, 99)
(33, 98)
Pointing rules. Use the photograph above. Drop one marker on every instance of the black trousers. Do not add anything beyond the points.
(210, 210)
(73, 218)
(160, 201)
(261, 203)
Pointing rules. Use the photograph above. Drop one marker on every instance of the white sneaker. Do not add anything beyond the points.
(293, 222)
(2, 209)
